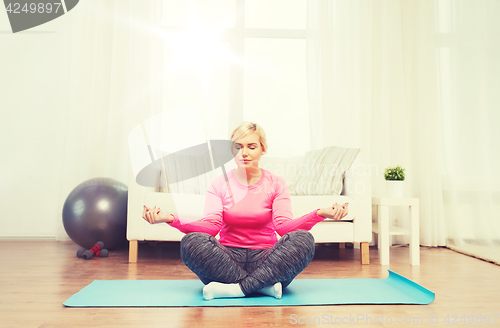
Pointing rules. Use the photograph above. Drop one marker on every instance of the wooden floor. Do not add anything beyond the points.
(37, 277)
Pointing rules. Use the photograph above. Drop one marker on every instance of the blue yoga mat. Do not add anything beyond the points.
(395, 289)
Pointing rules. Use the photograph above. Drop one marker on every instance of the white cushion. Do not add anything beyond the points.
(322, 171)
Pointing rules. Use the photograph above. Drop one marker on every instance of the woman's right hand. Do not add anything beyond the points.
(155, 215)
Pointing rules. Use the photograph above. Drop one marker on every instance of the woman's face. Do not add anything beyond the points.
(247, 151)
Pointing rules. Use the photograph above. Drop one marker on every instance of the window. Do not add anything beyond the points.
(240, 61)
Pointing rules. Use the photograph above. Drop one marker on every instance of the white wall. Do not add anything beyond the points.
(33, 103)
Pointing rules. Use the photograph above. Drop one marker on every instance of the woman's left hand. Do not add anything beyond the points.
(335, 212)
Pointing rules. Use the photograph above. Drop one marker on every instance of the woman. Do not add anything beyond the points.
(247, 210)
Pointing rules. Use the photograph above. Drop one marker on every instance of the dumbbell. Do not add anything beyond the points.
(97, 250)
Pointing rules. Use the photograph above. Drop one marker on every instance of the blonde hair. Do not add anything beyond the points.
(248, 127)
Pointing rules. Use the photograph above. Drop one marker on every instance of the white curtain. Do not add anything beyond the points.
(373, 79)
(130, 60)
(381, 76)
(113, 58)
(468, 55)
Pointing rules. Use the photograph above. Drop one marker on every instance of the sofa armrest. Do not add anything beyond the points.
(357, 185)
(136, 196)
(302, 205)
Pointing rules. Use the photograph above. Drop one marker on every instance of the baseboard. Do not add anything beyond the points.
(28, 238)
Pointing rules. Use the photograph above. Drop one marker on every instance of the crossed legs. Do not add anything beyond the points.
(237, 272)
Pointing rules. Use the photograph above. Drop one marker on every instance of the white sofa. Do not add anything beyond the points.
(355, 228)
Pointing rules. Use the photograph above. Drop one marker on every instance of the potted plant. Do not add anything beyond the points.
(394, 177)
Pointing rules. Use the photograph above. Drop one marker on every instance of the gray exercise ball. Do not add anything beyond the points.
(96, 210)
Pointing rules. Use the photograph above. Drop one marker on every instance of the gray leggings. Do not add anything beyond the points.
(253, 269)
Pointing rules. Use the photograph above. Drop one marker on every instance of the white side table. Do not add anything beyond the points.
(384, 230)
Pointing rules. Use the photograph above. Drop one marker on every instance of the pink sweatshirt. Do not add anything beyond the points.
(260, 210)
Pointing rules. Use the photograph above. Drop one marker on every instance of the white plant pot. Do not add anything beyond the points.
(395, 188)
